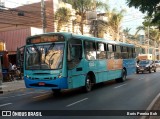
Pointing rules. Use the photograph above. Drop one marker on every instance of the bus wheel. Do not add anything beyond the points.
(56, 91)
(150, 70)
(123, 78)
(88, 84)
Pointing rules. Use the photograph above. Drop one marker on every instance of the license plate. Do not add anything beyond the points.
(41, 83)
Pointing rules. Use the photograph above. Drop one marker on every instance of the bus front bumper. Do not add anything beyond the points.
(58, 83)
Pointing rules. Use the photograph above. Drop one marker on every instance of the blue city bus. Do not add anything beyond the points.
(58, 61)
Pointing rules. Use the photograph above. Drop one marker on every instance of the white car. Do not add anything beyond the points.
(157, 62)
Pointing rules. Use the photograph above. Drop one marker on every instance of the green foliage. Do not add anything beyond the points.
(63, 16)
(151, 7)
(115, 18)
(82, 6)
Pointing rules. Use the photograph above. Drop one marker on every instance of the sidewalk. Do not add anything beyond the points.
(13, 85)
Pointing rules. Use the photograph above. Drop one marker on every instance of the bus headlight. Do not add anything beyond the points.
(60, 75)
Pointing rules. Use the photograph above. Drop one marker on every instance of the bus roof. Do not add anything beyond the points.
(82, 37)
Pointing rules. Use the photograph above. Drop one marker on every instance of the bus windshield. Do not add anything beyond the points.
(44, 56)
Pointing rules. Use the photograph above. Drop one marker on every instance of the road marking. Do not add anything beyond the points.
(3, 97)
(40, 96)
(77, 102)
(22, 94)
(141, 78)
(151, 105)
(2, 86)
(120, 85)
(5, 104)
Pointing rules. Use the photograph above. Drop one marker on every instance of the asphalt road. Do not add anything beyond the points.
(136, 93)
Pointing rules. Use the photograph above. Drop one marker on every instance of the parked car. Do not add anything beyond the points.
(146, 65)
(157, 62)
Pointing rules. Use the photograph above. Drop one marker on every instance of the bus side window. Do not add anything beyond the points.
(90, 50)
(129, 52)
(133, 53)
(101, 53)
(74, 52)
(110, 51)
(118, 52)
(124, 52)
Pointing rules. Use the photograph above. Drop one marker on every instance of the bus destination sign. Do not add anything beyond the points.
(43, 39)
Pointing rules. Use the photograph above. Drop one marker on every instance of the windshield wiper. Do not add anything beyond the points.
(51, 46)
(39, 54)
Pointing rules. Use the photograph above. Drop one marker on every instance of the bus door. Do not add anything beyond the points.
(75, 65)
(20, 58)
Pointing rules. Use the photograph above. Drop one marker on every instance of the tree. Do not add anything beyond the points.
(82, 6)
(63, 15)
(114, 20)
(126, 31)
(153, 32)
(112, 25)
(152, 8)
(98, 28)
(138, 29)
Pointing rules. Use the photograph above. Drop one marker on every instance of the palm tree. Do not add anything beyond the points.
(138, 29)
(126, 31)
(98, 28)
(82, 6)
(63, 15)
(114, 20)
(153, 34)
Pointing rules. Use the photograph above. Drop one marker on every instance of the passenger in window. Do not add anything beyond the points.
(91, 55)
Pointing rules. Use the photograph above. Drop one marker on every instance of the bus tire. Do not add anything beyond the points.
(123, 76)
(56, 92)
(150, 70)
(88, 84)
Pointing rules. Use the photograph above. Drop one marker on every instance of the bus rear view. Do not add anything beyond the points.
(43, 62)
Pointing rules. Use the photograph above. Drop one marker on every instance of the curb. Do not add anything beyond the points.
(7, 87)
(7, 91)
(151, 105)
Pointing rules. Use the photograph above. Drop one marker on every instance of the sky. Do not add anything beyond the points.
(15, 3)
(132, 18)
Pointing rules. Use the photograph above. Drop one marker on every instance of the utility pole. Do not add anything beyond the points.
(43, 15)
(148, 39)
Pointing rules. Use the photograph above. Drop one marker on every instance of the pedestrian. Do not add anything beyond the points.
(14, 67)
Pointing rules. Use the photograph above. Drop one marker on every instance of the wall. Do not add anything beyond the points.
(14, 38)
